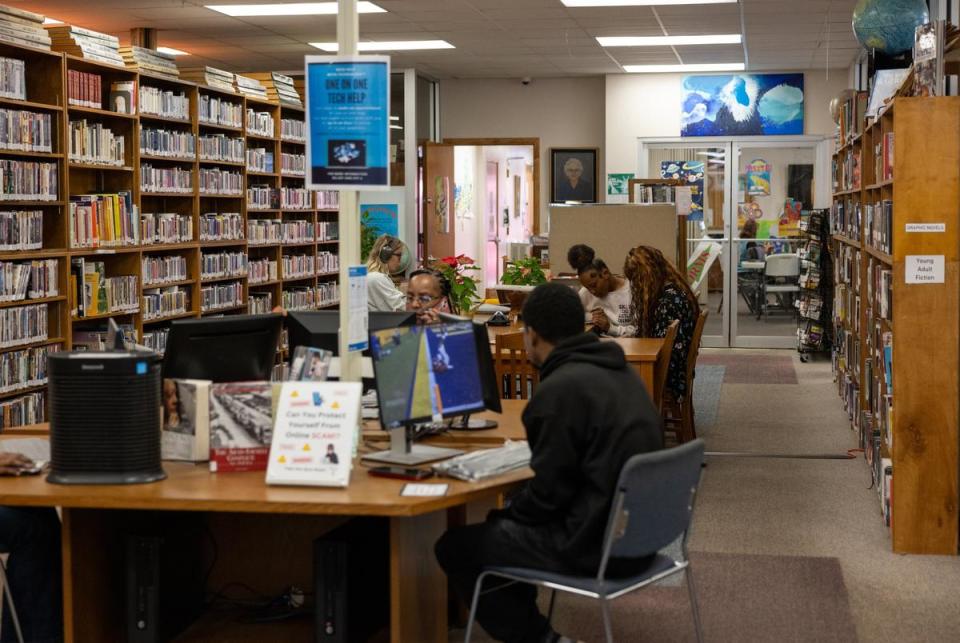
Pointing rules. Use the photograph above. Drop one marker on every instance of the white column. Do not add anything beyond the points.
(348, 32)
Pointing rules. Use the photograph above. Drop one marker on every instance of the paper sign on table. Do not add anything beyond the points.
(424, 490)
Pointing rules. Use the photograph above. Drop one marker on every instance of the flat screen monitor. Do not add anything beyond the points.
(427, 372)
(319, 328)
(235, 348)
(488, 376)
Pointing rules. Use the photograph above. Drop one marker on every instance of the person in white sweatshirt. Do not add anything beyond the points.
(606, 297)
(388, 257)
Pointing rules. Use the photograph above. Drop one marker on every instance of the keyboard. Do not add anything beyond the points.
(486, 463)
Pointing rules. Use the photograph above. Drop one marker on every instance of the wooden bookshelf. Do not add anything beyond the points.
(46, 92)
(913, 426)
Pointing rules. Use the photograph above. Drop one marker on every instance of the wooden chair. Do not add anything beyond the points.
(662, 367)
(516, 376)
(678, 414)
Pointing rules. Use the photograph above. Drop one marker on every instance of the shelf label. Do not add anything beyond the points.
(925, 227)
(924, 269)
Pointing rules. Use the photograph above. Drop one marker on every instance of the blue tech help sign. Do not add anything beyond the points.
(348, 122)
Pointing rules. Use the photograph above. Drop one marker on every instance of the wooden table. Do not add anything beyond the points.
(265, 533)
(509, 427)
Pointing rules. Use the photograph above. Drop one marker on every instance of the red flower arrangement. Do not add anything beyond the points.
(463, 287)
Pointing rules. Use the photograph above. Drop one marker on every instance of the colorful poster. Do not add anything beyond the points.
(382, 217)
(348, 119)
(691, 172)
(758, 177)
(742, 105)
(619, 184)
(790, 219)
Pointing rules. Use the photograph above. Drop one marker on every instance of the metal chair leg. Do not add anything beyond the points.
(473, 607)
(607, 625)
(693, 604)
(553, 599)
(5, 589)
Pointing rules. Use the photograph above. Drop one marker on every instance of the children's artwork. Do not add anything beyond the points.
(691, 172)
(442, 204)
(790, 219)
(767, 230)
(382, 217)
(758, 177)
(463, 200)
(619, 184)
(742, 105)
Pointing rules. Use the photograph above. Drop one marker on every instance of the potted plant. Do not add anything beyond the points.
(524, 272)
(463, 287)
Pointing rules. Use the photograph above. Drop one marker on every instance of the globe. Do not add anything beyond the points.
(888, 25)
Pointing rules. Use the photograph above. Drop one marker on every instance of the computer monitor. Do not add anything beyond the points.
(426, 373)
(320, 328)
(488, 377)
(235, 348)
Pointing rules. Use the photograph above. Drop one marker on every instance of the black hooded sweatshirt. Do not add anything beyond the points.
(589, 415)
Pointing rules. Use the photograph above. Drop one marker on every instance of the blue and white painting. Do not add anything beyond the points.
(742, 105)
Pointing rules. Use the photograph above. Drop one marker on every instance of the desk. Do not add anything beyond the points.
(92, 515)
(509, 427)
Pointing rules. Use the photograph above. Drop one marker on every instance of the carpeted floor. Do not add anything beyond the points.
(707, 387)
(753, 369)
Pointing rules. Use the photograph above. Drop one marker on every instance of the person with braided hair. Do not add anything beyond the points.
(660, 295)
(606, 297)
(428, 294)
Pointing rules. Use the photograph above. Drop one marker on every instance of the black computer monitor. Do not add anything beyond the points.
(319, 328)
(235, 348)
(488, 376)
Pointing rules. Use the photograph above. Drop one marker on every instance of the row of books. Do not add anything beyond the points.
(647, 194)
(263, 231)
(21, 230)
(279, 87)
(328, 293)
(98, 338)
(214, 110)
(28, 181)
(26, 131)
(221, 296)
(260, 123)
(103, 221)
(882, 291)
(21, 27)
(150, 61)
(21, 325)
(211, 76)
(165, 227)
(304, 298)
(850, 171)
(852, 112)
(221, 226)
(223, 182)
(166, 103)
(164, 302)
(259, 159)
(845, 219)
(156, 339)
(220, 147)
(295, 199)
(328, 199)
(168, 143)
(97, 294)
(34, 279)
(26, 409)
(249, 87)
(261, 270)
(13, 78)
(878, 225)
(165, 179)
(162, 269)
(84, 89)
(24, 368)
(95, 143)
(883, 158)
(328, 262)
(328, 230)
(293, 130)
(86, 43)
(293, 164)
(223, 264)
(296, 266)
(296, 231)
(260, 303)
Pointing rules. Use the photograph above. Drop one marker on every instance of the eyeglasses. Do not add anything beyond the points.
(423, 300)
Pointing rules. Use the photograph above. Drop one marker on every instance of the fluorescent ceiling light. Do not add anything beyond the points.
(661, 41)
(52, 21)
(290, 9)
(662, 69)
(395, 45)
(172, 52)
(638, 3)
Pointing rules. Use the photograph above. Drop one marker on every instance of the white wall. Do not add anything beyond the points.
(561, 112)
(648, 105)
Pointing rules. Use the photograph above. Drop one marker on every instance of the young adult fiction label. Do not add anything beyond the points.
(924, 269)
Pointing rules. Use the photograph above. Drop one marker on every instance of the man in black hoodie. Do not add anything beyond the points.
(589, 415)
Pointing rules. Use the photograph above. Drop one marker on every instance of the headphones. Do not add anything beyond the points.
(388, 249)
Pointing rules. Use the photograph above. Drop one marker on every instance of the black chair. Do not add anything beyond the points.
(653, 506)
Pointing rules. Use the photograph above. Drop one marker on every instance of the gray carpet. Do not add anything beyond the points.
(706, 395)
(741, 597)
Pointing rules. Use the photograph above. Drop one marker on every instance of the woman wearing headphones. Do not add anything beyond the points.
(389, 256)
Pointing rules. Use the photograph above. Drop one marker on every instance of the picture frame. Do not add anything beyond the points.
(569, 184)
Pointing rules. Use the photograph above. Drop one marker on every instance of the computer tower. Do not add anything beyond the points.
(351, 581)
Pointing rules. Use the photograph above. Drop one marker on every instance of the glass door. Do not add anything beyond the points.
(704, 166)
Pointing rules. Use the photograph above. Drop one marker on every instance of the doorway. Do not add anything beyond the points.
(765, 181)
(481, 199)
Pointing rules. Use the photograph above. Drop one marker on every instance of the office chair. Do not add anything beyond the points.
(5, 592)
(653, 506)
(781, 276)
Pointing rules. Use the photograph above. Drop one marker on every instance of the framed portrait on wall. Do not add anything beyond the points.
(573, 175)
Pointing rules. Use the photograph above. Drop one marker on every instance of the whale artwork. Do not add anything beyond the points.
(742, 105)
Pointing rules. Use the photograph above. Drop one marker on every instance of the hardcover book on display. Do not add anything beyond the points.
(186, 420)
(241, 426)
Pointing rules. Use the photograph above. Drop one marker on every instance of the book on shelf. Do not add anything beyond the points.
(26, 131)
(164, 302)
(86, 43)
(249, 86)
(33, 279)
(280, 88)
(96, 144)
(84, 89)
(241, 426)
(928, 77)
(28, 181)
(123, 97)
(150, 61)
(20, 27)
(26, 409)
(186, 420)
(13, 78)
(97, 294)
(211, 76)
(852, 112)
(163, 102)
(103, 220)
(100, 339)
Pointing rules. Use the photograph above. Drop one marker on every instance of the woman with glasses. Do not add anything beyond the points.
(428, 294)
(389, 256)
